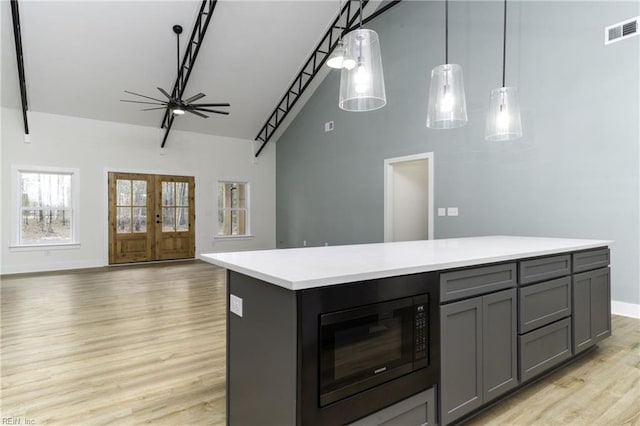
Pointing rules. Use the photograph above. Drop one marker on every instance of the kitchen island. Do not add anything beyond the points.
(451, 325)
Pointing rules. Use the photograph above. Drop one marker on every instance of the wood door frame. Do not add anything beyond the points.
(388, 192)
(105, 200)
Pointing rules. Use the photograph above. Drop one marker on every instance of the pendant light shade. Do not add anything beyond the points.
(503, 120)
(447, 106)
(362, 86)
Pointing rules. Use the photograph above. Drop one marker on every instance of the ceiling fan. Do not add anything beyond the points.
(176, 105)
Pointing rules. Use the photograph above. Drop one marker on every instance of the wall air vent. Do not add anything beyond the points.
(621, 30)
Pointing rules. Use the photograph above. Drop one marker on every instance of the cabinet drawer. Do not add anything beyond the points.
(544, 348)
(591, 259)
(475, 281)
(543, 303)
(545, 268)
(420, 409)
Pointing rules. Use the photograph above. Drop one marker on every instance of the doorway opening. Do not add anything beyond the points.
(151, 217)
(408, 198)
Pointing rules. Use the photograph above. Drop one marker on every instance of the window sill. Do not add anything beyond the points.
(44, 247)
(232, 237)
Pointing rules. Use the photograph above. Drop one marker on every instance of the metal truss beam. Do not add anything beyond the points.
(21, 79)
(342, 24)
(189, 60)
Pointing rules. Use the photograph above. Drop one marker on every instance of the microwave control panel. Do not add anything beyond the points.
(421, 331)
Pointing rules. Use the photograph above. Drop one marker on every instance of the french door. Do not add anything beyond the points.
(151, 217)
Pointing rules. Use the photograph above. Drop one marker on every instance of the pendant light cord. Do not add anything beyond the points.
(178, 63)
(504, 42)
(446, 31)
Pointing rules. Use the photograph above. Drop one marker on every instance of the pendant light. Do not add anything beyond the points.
(503, 120)
(362, 87)
(447, 105)
(338, 58)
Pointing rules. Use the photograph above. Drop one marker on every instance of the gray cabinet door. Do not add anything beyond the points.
(461, 358)
(591, 319)
(500, 345)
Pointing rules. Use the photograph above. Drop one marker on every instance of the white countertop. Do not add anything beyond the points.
(301, 268)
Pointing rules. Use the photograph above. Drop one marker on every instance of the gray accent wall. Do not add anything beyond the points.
(575, 173)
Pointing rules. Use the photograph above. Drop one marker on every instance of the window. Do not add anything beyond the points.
(233, 209)
(47, 206)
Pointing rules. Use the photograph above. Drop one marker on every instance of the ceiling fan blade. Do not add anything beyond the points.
(151, 109)
(194, 98)
(208, 110)
(210, 105)
(197, 113)
(141, 102)
(138, 94)
(164, 92)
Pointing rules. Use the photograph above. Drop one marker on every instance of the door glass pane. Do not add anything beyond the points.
(168, 219)
(168, 193)
(139, 219)
(123, 218)
(182, 219)
(124, 192)
(139, 192)
(182, 194)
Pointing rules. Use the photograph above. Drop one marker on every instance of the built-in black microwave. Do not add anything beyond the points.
(366, 346)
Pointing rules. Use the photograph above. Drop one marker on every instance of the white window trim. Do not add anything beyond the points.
(17, 208)
(248, 235)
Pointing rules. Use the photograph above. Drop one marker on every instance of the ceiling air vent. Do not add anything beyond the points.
(621, 30)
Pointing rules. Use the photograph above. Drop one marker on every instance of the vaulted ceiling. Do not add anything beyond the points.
(80, 56)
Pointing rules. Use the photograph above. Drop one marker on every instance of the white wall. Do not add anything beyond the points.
(410, 201)
(96, 147)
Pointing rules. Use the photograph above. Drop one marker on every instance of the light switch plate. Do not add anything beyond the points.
(452, 211)
(442, 211)
(235, 305)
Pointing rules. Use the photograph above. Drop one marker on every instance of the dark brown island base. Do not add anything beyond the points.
(412, 333)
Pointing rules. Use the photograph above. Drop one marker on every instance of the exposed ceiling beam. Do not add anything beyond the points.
(342, 24)
(189, 60)
(21, 79)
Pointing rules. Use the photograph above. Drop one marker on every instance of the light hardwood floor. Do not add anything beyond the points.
(146, 344)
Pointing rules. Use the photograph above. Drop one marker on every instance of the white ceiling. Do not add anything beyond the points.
(81, 55)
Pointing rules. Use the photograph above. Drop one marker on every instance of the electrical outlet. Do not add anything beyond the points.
(442, 211)
(328, 126)
(452, 211)
(235, 305)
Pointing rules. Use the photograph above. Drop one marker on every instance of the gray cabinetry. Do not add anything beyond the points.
(461, 359)
(544, 348)
(419, 409)
(544, 268)
(466, 283)
(478, 352)
(590, 259)
(500, 347)
(592, 308)
(543, 303)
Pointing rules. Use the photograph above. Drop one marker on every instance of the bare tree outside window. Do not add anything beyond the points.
(233, 208)
(46, 211)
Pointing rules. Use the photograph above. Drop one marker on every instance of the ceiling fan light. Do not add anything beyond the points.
(178, 110)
